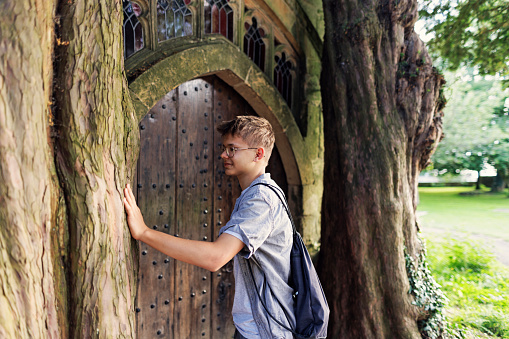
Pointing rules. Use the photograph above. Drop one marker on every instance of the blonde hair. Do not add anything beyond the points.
(255, 131)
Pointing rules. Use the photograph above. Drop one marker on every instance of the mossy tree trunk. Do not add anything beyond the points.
(382, 113)
(95, 134)
(31, 306)
(68, 140)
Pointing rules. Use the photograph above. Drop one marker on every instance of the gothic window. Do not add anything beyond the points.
(219, 18)
(254, 47)
(283, 77)
(174, 19)
(133, 31)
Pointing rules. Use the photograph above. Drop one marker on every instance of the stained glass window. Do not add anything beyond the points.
(283, 77)
(254, 47)
(174, 19)
(219, 18)
(133, 31)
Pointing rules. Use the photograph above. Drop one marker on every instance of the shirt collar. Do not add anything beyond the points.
(265, 177)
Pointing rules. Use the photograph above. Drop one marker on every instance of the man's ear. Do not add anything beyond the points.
(260, 154)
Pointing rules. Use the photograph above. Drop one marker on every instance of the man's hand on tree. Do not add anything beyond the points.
(134, 217)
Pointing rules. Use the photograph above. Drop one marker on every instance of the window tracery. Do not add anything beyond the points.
(283, 77)
(254, 46)
(148, 23)
(132, 29)
(174, 19)
(219, 18)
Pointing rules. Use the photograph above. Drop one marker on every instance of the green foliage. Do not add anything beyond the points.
(475, 108)
(495, 324)
(465, 257)
(501, 116)
(476, 285)
(428, 296)
(459, 256)
(469, 32)
(498, 156)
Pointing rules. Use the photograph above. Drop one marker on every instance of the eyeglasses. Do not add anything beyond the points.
(230, 150)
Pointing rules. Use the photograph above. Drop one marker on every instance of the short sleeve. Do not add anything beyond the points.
(251, 223)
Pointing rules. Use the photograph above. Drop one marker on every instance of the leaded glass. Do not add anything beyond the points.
(133, 31)
(219, 18)
(283, 77)
(174, 19)
(254, 47)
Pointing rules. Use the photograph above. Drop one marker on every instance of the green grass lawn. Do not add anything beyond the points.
(447, 210)
(475, 283)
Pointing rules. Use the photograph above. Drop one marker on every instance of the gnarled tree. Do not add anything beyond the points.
(382, 113)
(67, 265)
(27, 188)
(93, 121)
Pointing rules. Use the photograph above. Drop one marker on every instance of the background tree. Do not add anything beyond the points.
(501, 115)
(472, 118)
(498, 156)
(469, 32)
(382, 111)
(474, 34)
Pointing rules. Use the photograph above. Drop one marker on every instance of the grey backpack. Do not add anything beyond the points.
(310, 306)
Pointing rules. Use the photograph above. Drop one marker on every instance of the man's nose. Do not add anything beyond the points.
(224, 155)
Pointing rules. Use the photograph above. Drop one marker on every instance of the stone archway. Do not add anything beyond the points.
(226, 61)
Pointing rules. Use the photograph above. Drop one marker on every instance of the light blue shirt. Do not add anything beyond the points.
(260, 221)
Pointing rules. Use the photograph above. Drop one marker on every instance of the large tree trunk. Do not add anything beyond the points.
(382, 113)
(67, 264)
(95, 132)
(31, 305)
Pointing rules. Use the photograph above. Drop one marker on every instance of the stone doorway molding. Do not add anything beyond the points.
(226, 61)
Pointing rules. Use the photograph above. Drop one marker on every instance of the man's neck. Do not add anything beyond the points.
(246, 180)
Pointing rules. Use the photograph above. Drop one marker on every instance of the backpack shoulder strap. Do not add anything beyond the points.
(266, 285)
(280, 193)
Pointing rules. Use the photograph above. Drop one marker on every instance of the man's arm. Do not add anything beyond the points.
(209, 255)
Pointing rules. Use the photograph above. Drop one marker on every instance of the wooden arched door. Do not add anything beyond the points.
(182, 190)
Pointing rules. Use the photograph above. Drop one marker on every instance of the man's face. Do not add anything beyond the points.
(240, 157)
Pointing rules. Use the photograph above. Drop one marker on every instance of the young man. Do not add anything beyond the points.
(259, 230)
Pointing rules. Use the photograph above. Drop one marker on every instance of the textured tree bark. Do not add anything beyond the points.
(382, 113)
(28, 214)
(95, 130)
